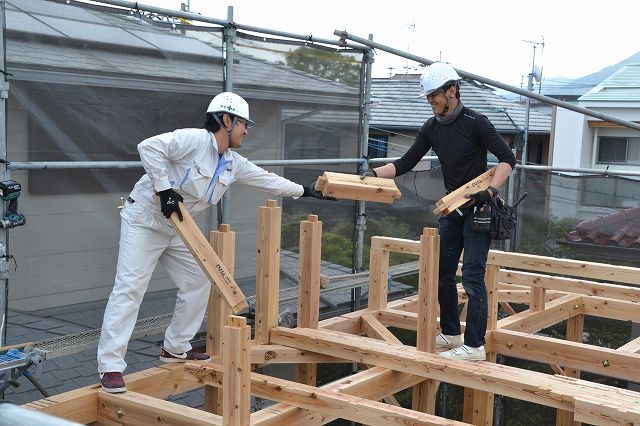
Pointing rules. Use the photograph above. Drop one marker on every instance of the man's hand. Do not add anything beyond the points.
(314, 193)
(169, 203)
(479, 198)
(368, 173)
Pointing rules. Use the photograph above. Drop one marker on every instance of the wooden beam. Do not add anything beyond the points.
(352, 187)
(575, 329)
(378, 277)
(531, 321)
(309, 287)
(509, 381)
(400, 319)
(278, 354)
(613, 309)
(596, 359)
(457, 199)
(396, 245)
(330, 402)
(237, 372)
(376, 330)
(572, 285)
(208, 260)
(424, 394)
(80, 405)
(576, 268)
(632, 347)
(133, 408)
(223, 242)
(267, 269)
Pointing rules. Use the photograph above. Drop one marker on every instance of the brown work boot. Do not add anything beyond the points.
(113, 382)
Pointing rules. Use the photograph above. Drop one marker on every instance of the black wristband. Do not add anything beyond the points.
(493, 190)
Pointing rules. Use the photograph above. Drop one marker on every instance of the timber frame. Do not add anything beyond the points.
(555, 290)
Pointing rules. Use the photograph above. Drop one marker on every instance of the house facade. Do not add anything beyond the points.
(589, 143)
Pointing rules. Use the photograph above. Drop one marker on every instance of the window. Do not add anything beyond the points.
(617, 150)
(378, 146)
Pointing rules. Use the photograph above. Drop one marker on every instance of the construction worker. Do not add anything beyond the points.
(460, 137)
(195, 167)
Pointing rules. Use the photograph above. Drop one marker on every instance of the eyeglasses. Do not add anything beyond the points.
(245, 123)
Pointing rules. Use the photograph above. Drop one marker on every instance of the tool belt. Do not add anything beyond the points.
(496, 218)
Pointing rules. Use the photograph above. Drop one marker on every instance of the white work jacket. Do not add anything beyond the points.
(187, 160)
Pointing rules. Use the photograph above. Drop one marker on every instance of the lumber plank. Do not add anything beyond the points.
(309, 287)
(375, 329)
(236, 399)
(633, 346)
(396, 245)
(208, 260)
(330, 402)
(133, 408)
(397, 318)
(223, 242)
(378, 277)
(613, 309)
(556, 311)
(572, 285)
(575, 268)
(456, 199)
(509, 381)
(352, 187)
(595, 359)
(267, 269)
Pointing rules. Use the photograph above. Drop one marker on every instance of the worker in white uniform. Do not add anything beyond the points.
(195, 167)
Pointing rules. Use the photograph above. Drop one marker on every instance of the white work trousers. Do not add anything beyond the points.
(146, 239)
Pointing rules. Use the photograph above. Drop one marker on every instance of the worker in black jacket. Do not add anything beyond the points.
(460, 137)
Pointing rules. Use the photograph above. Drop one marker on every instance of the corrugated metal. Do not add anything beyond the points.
(397, 104)
(621, 86)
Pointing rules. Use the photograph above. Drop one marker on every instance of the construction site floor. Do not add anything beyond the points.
(80, 369)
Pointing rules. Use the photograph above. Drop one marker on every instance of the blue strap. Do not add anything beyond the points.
(222, 162)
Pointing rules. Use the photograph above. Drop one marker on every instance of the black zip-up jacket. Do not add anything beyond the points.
(461, 147)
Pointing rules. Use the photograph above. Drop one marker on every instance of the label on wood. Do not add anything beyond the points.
(456, 199)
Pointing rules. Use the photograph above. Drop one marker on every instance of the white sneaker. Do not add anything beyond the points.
(444, 341)
(466, 353)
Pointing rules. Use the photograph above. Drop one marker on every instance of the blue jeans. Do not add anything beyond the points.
(455, 235)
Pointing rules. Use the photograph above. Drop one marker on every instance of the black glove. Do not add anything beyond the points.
(479, 198)
(368, 173)
(314, 193)
(169, 203)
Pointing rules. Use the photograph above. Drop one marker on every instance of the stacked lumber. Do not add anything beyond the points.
(352, 187)
(456, 199)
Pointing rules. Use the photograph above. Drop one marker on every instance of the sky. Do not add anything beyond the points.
(493, 38)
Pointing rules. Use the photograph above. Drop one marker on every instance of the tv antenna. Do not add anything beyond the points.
(410, 28)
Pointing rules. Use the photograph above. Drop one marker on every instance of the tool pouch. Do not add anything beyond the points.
(481, 218)
(503, 218)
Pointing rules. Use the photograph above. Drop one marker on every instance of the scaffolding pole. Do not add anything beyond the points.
(591, 113)
(4, 175)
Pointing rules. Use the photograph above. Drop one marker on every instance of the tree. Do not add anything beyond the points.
(331, 65)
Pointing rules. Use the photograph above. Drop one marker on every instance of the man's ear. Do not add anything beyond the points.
(226, 120)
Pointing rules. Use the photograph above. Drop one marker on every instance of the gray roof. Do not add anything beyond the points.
(397, 104)
(621, 86)
(53, 41)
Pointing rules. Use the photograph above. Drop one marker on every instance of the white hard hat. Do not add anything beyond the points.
(435, 76)
(232, 104)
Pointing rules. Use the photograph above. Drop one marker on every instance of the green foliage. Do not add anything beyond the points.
(540, 236)
(333, 66)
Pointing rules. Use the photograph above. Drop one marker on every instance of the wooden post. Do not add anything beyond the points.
(478, 405)
(378, 277)
(424, 393)
(236, 380)
(267, 270)
(309, 287)
(223, 242)
(575, 328)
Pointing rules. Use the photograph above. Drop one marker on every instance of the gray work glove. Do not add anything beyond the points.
(169, 200)
(368, 173)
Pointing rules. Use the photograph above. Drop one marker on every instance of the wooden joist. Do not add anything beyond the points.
(352, 187)
(530, 386)
(208, 260)
(456, 199)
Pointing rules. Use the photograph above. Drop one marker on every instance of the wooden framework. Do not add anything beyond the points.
(363, 337)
